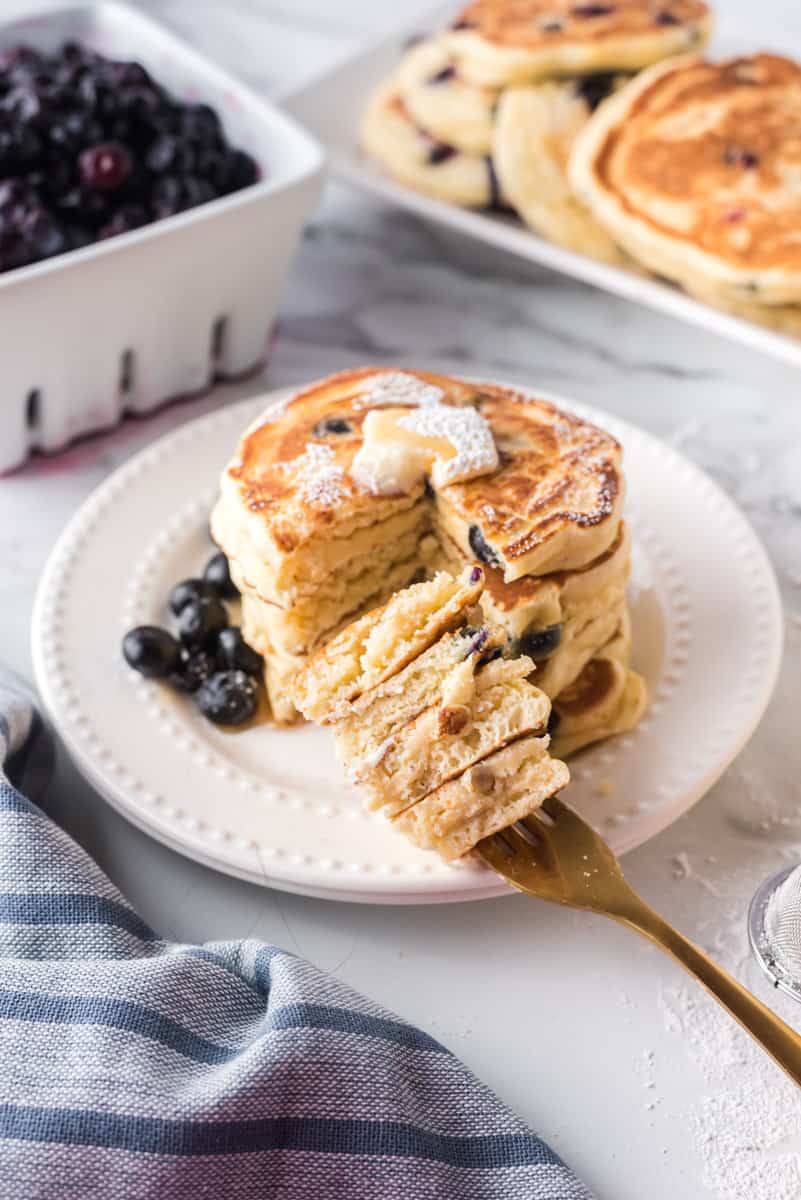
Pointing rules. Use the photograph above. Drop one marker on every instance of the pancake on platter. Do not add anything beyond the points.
(416, 158)
(441, 101)
(503, 42)
(695, 169)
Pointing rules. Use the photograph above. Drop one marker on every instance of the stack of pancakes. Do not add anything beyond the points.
(312, 546)
(447, 737)
(695, 169)
(484, 114)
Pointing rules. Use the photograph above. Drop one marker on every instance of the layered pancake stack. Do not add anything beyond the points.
(484, 114)
(374, 478)
(695, 169)
(447, 737)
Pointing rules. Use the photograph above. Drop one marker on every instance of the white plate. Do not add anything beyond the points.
(270, 805)
(331, 108)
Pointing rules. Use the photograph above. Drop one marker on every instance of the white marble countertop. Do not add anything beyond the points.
(606, 1048)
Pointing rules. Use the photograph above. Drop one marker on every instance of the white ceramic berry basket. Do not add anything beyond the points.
(123, 325)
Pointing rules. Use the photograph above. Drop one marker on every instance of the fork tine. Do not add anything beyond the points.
(562, 813)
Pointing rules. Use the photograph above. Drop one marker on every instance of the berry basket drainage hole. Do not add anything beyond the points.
(33, 413)
(126, 378)
(218, 345)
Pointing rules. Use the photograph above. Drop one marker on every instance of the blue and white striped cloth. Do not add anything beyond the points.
(134, 1067)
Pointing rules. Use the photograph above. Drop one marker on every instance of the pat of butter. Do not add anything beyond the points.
(401, 446)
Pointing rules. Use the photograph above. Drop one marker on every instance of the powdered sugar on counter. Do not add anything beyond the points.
(397, 388)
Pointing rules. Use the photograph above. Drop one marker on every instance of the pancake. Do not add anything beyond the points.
(554, 504)
(382, 642)
(695, 169)
(606, 699)
(502, 789)
(354, 487)
(503, 42)
(781, 318)
(535, 128)
(290, 507)
(414, 157)
(559, 620)
(476, 711)
(438, 99)
(420, 697)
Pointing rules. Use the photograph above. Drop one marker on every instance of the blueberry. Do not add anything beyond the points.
(478, 641)
(167, 196)
(592, 10)
(168, 153)
(75, 130)
(234, 652)
(595, 88)
(240, 170)
(443, 76)
(440, 152)
(151, 651)
(44, 235)
(14, 251)
(482, 551)
(105, 166)
(667, 18)
(228, 698)
(200, 620)
(130, 216)
(216, 572)
(336, 426)
(194, 668)
(191, 589)
(540, 644)
(19, 56)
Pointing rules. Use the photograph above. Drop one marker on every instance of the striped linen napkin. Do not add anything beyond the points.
(135, 1067)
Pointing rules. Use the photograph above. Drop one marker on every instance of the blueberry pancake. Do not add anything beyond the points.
(556, 500)
(438, 99)
(415, 157)
(375, 478)
(605, 699)
(535, 128)
(420, 697)
(501, 789)
(695, 169)
(502, 42)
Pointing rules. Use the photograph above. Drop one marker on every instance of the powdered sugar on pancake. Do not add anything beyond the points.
(466, 430)
(319, 477)
(398, 389)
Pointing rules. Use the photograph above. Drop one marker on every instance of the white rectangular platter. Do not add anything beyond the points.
(331, 108)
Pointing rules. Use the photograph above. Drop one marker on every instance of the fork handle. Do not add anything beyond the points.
(782, 1042)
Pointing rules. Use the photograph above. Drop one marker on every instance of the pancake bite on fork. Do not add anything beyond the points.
(423, 705)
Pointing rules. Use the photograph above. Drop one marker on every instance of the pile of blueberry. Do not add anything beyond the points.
(209, 658)
(91, 148)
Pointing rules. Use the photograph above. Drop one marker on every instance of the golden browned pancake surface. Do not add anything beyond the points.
(696, 168)
(556, 501)
(535, 24)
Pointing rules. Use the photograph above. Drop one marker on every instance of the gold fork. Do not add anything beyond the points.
(557, 856)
